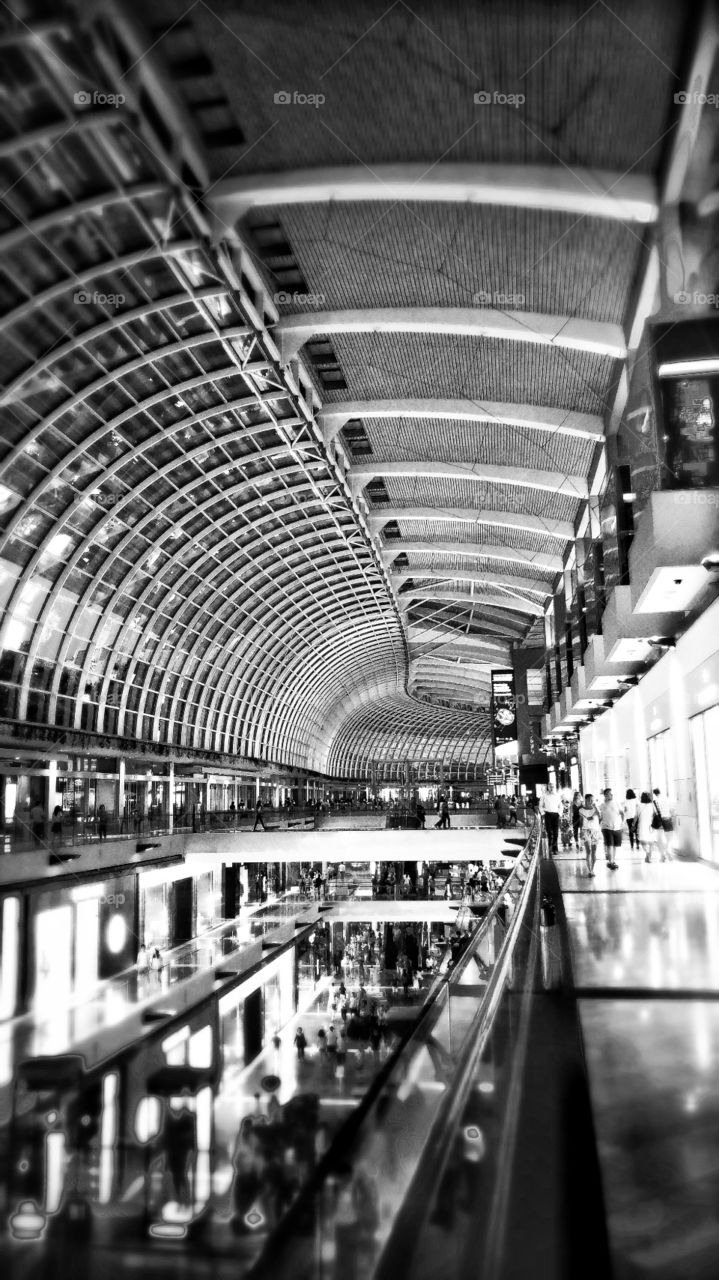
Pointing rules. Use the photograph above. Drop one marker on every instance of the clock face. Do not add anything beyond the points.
(505, 715)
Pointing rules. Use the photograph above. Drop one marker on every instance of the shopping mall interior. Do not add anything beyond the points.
(359, 515)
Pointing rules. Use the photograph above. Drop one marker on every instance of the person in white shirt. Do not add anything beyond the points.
(590, 829)
(663, 808)
(611, 817)
(646, 834)
(550, 807)
(631, 810)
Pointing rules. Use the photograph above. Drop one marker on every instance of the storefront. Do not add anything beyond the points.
(278, 994)
(78, 937)
(208, 901)
(705, 751)
(155, 915)
(10, 918)
(663, 734)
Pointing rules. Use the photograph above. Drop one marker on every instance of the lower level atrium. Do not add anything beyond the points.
(494, 1066)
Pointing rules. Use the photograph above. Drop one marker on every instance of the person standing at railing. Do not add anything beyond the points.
(56, 826)
(37, 823)
(102, 823)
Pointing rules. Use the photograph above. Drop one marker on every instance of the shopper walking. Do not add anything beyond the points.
(590, 830)
(550, 806)
(577, 803)
(300, 1044)
(102, 823)
(646, 835)
(631, 812)
(143, 961)
(612, 821)
(156, 964)
(666, 824)
(259, 819)
(443, 820)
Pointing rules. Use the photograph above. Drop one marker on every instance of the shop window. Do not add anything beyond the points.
(705, 748)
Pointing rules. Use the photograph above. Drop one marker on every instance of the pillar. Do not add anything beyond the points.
(121, 790)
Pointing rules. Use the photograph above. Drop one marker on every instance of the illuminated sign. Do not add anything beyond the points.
(504, 708)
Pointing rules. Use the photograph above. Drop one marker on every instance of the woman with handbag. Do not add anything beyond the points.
(646, 832)
(665, 825)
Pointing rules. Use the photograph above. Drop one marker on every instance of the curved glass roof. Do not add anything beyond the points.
(308, 555)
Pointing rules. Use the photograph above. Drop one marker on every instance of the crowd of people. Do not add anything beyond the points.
(589, 822)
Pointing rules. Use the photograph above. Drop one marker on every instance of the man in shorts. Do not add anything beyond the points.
(611, 817)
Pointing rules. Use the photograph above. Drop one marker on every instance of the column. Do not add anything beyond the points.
(51, 799)
(121, 792)
(171, 798)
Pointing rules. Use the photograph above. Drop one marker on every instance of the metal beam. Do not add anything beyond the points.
(464, 575)
(434, 635)
(513, 603)
(561, 529)
(588, 426)
(533, 560)
(524, 477)
(584, 192)
(292, 332)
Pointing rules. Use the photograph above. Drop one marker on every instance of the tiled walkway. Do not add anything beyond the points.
(645, 956)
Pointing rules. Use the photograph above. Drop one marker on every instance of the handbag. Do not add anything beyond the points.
(668, 824)
(657, 822)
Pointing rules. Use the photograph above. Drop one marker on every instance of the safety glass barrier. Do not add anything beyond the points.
(351, 1218)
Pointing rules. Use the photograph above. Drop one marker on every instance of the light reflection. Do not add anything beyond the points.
(702, 1037)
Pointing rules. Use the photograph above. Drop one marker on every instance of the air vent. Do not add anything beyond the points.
(197, 83)
(376, 493)
(326, 365)
(391, 532)
(273, 247)
(356, 439)
(191, 68)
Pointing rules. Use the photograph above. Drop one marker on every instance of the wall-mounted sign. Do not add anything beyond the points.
(504, 708)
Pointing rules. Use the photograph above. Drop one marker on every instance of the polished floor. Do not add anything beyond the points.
(645, 956)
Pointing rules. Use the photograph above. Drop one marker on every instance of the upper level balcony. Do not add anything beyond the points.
(675, 532)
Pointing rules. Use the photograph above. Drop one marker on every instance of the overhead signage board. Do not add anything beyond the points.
(504, 708)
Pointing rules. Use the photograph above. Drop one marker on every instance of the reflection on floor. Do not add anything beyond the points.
(645, 954)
